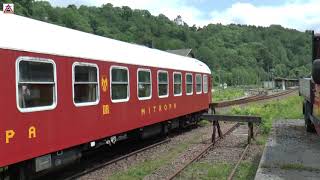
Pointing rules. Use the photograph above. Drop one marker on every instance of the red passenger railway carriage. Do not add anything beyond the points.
(64, 91)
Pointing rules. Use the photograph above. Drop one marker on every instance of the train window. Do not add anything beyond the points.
(163, 85)
(119, 84)
(189, 84)
(85, 84)
(177, 87)
(144, 84)
(205, 83)
(198, 84)
(36, 81)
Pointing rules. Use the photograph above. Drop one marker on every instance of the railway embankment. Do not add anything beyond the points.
(290, 153)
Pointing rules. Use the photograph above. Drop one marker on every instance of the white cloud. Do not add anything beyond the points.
(296, 14)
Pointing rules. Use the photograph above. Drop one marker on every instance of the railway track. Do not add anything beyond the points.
(197, 157)
(250, 99)
(206, 150)
(202, 152)
(114, 161)
(233, 172)
(211, 145)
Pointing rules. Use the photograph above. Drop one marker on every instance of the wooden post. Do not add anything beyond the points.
(213, 138)
(250, 132)
(219, 130)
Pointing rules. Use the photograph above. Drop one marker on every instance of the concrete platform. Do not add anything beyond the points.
(290, 153)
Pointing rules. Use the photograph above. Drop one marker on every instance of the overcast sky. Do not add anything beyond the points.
(298, 14)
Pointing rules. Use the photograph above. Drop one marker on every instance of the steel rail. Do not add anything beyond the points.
(250, 99)
(99, 166)
(233, 172)
(205, 150)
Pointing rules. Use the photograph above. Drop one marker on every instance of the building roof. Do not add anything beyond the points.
(25, 34)
(182, 52)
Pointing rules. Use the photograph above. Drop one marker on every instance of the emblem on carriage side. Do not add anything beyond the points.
(104, 83)
(8, 8)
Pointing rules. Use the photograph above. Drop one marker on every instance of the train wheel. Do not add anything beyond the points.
(2, 175)
(18, 172)
(165, 129)
(309, 126)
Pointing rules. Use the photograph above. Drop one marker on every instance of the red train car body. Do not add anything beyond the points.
(58, 92)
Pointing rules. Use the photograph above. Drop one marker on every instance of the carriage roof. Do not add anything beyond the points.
(25, 34)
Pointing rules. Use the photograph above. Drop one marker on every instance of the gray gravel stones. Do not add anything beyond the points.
(155, 153)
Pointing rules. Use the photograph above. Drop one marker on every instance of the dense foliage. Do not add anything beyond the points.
(230, 93)
(237, 54)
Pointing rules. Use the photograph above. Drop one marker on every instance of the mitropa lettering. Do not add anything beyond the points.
(157, 108)
(10, 134)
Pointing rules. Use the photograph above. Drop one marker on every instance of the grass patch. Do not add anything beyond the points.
(203, 123)
(246, 170)
(227, 94)
(261, 139)
(299, 167)
(145, 168)
(288, 108)
(204, 170)
(292, 166)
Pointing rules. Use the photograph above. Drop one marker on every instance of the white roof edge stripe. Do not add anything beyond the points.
(25, 34)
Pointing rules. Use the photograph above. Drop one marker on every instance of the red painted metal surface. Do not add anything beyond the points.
(68, 125)
(316, 108)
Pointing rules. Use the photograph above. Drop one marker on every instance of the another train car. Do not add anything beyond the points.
(64, 91)
(310, 88)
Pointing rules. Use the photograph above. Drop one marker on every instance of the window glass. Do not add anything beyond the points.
(85, 83)
(33, 71)
(119, 84)
(36, 83)
(177, 88)
(198, 83)
(205, 83)
(144, 83)
(163, 84)
(119, 75)
(189, 84)
(85, 74)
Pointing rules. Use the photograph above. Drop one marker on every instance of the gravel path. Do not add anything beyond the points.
(290, 153)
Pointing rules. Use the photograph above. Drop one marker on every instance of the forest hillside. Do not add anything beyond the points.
(236, 54)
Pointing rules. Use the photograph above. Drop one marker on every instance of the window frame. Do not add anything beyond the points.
(180, 94)
(73, 83)
(128, 89)
(189, 94)
(205, 92)
(200, 92)
(55, 82)
(163, 71)
(146, 70)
